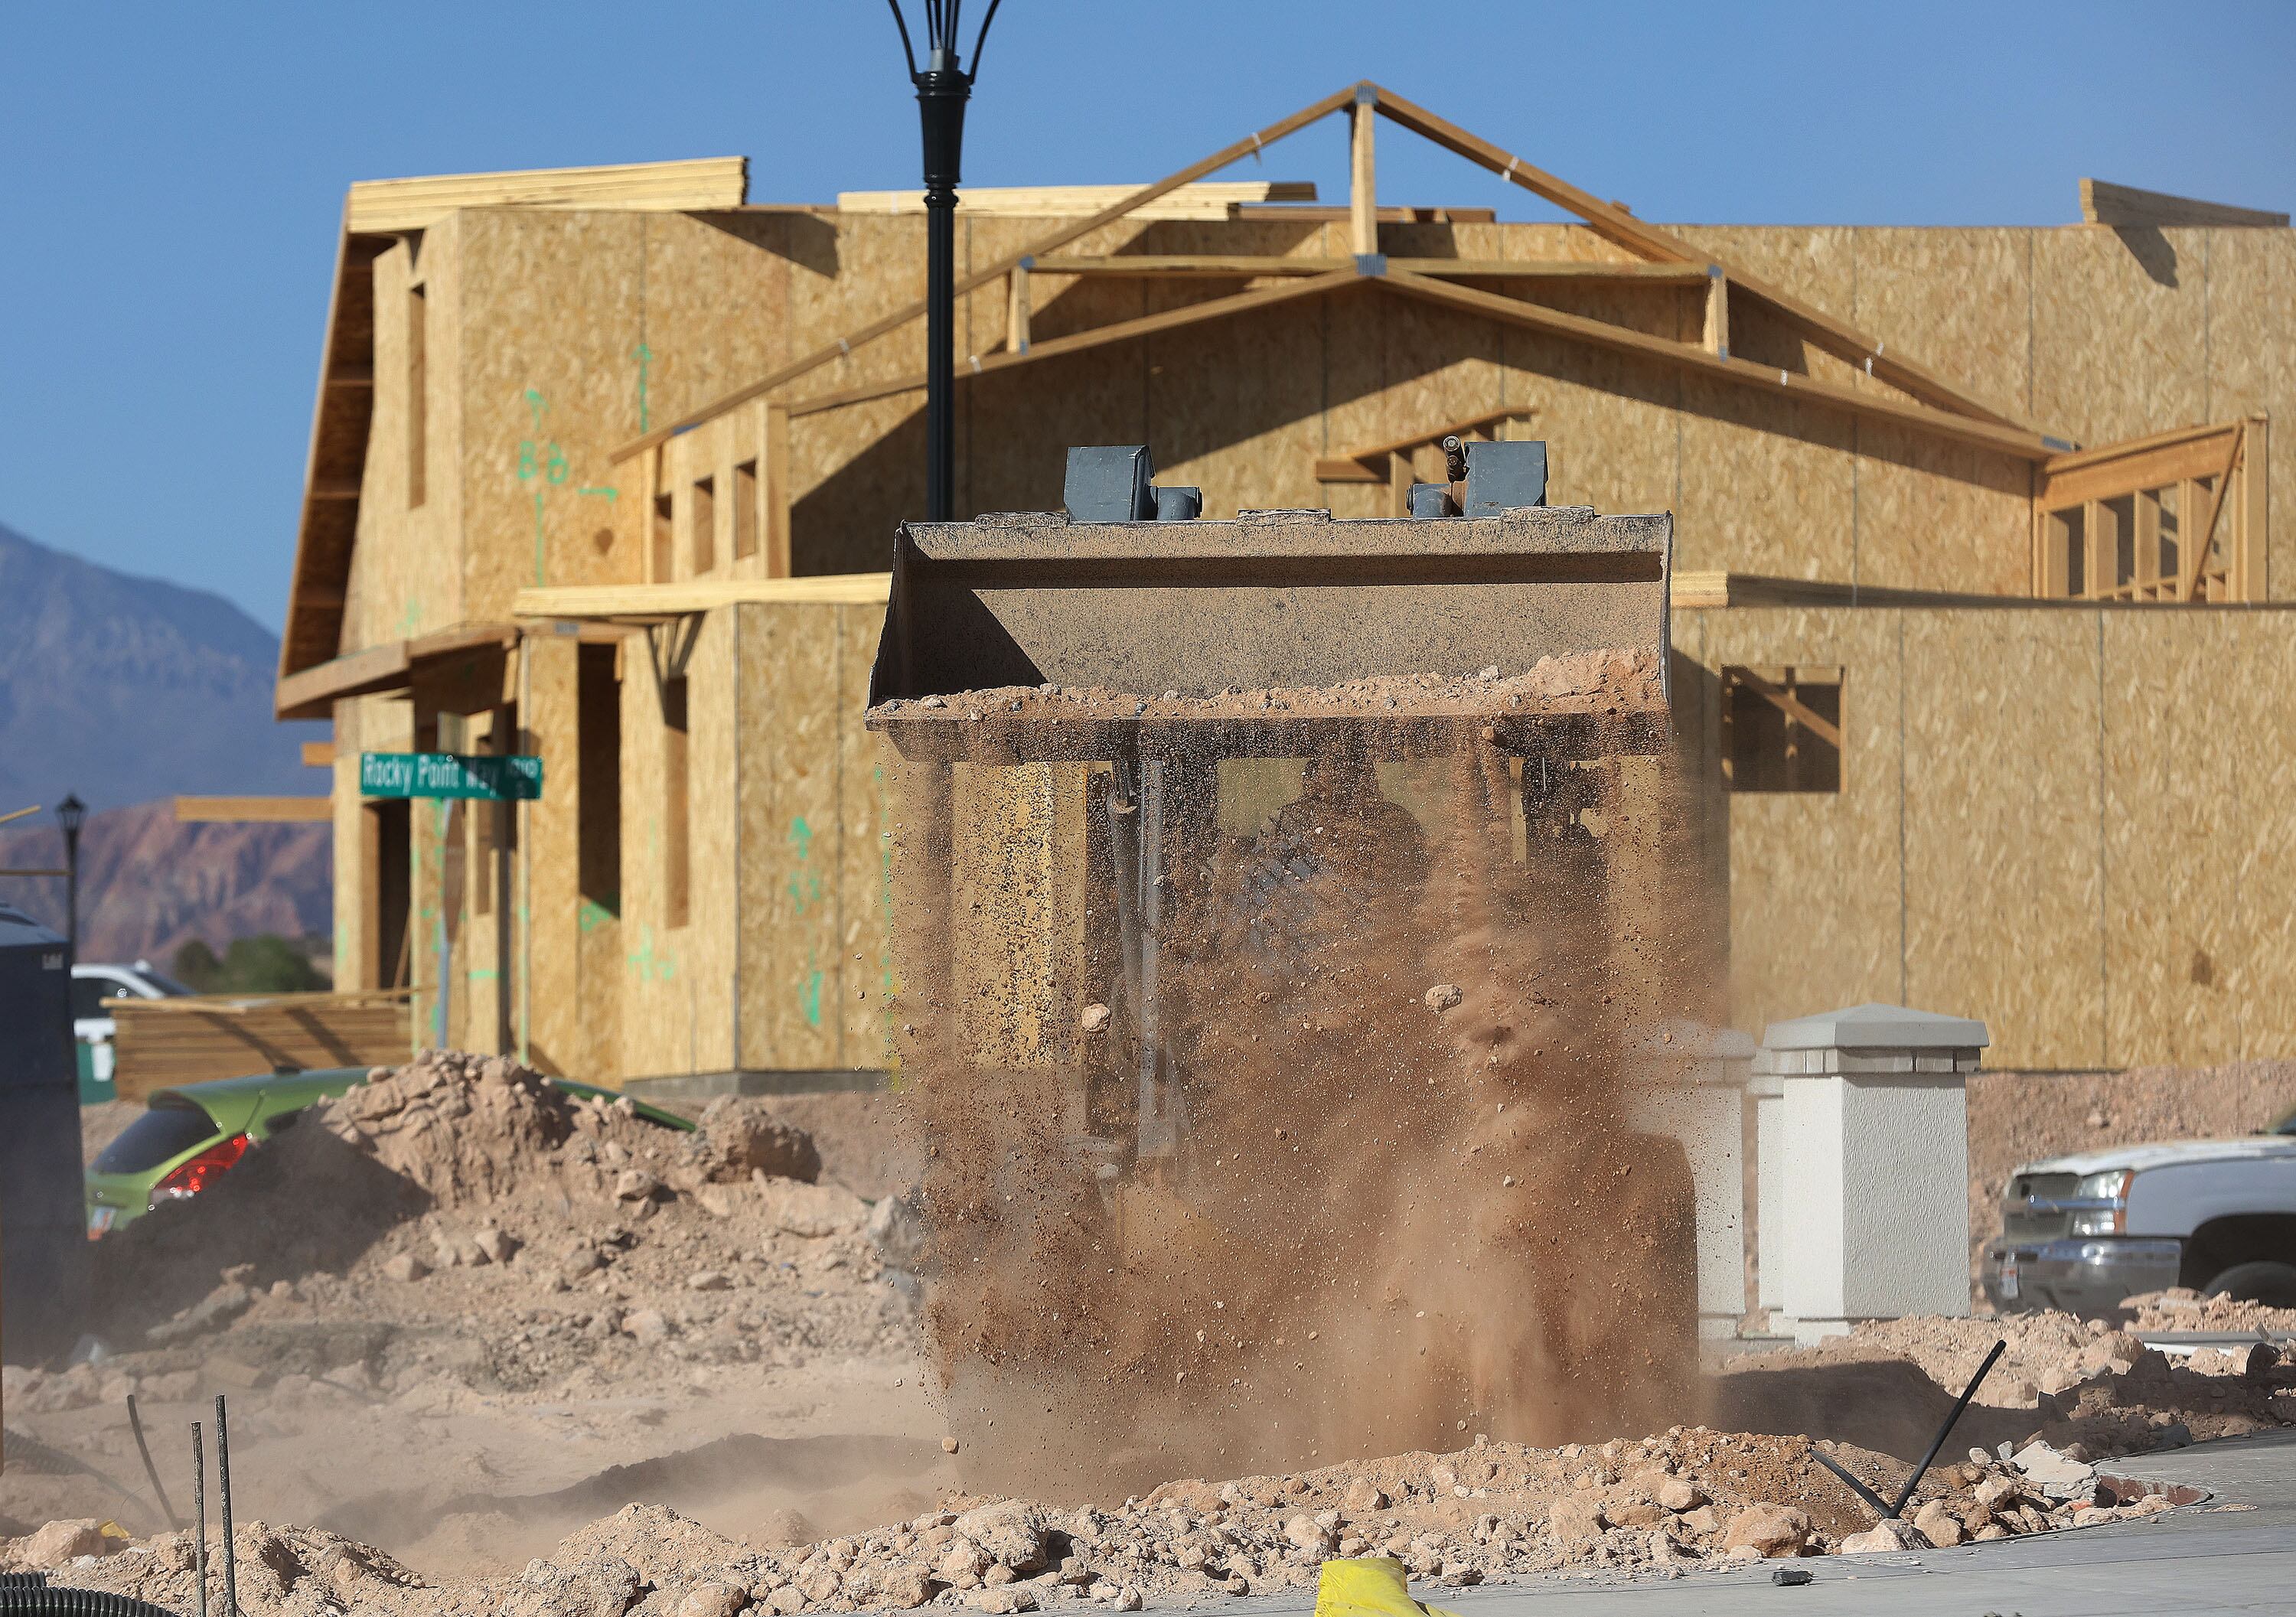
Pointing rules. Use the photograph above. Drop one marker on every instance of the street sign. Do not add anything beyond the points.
(495, 777)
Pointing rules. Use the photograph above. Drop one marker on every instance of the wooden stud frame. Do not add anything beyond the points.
(2219, 475)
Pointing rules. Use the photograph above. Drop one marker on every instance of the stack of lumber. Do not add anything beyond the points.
(159, 1044)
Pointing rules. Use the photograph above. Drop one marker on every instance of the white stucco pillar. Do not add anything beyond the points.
(1874, 1193)
(1767, 1091)
(1692, 1086)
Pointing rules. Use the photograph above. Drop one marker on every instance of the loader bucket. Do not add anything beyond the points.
(1184, 615)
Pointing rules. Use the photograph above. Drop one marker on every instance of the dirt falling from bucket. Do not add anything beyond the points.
(1351, 1167)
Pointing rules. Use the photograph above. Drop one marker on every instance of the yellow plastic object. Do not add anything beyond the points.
(1373, 1586)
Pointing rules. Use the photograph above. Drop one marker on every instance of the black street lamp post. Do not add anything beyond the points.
(71, 814)
(943, 88)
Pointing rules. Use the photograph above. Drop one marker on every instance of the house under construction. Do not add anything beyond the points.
(1981, 622)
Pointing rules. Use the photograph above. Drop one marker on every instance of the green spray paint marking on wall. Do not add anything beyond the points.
(646, 964)
(803, 885)
(591, 915)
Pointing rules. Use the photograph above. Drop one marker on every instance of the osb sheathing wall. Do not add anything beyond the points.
(815, 965)
(554, 337)
(2074, 825)
(407, 565)
(781, 962)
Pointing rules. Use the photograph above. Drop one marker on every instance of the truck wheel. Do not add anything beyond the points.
(2273, 1284)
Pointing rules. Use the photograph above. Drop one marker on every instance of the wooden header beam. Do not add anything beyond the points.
(2104, 203)
(254, 810)
(1251, 266)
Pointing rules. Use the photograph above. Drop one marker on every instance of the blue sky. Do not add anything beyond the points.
(171, 177)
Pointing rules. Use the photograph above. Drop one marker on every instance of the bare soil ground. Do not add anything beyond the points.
(557, 1361)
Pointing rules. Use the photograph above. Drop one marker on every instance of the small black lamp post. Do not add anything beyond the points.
(71, 814)
(943, 87)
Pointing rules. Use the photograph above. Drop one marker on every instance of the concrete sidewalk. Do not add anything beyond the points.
(2203, 1558)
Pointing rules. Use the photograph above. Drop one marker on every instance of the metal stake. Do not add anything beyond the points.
(200, 1510)
(1960, 1404)
(222, 1488)
(167, 1505)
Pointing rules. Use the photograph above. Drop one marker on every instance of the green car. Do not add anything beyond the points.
(190, 1134)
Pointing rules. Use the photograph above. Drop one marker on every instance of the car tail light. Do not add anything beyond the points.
(202, 1171)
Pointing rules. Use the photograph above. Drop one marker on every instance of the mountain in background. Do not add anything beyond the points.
(148, 885)
(128, 690)
(124, 689)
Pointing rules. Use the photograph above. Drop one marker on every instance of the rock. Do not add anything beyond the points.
(646, 1324)
(1678, 1494)
(1011, 1534)
(709, 1280)
(963, 1562)
(713, 1600)
(498, 1246)
(2058, 1476)
(1442, 996)
(1890, 1537)
(897, 1229)
(1703, 1520)
(812, 1210)
(61, 1541)
(787, 1601)
(211, 1312)
(1990, 1532)
(1305, 1533)
(740, 1137)
(1577, 1518)
(1094, 1018)
(904, 1586)
(948, 1445)
(635, 1184)
(1008, 1598)
(1074, 1569)
(1128, 1599)
(405, 1266)
(1769, 1530)
(1938, 1524)
(1363, 1497)
(2260, 1361)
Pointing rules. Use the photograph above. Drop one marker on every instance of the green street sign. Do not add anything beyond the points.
(495, 777)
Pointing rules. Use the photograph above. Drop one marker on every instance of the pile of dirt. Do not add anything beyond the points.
(458, 1284)
(2183, 1309)
(1691, 1500)
(1610, 684)
(2067, 1380)
(2015, 1118)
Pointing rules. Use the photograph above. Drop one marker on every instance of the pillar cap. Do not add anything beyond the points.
(1876, 1027)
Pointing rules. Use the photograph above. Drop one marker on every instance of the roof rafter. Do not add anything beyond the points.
(1939, 404)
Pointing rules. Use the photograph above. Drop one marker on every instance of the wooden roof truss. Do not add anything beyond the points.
(1919, 397)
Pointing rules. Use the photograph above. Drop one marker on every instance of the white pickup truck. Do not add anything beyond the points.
(2081, 1233)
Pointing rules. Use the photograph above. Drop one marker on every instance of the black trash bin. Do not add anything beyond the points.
(43, 1210)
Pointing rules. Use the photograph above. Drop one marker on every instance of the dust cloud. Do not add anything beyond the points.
(1278, 1110)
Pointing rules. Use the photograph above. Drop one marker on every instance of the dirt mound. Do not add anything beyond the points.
(458, 1127)
(2068, 1381)
(2182, 1309)
(447, 1132)
(1687, 1501)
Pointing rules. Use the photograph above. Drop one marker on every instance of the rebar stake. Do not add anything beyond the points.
(200, 1510)
(222, 1488)
(167, 1505)
(1960, 1404)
